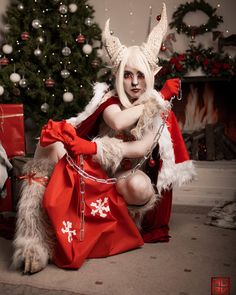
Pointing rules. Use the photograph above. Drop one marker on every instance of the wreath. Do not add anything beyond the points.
(183, 9)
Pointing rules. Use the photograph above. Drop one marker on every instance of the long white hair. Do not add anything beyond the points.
(134, 58)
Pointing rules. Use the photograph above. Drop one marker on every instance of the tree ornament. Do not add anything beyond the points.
(37, 52)
(24, 36)
(87, 49)
(36, 24)
(49, 83)
(68, 97)
(16, 91)
(181, 27)
(7, 49)
(40, 39)
(63, 9)
(163, 47)
(20, 7)
(44, 107)
(4, 61)
(95, 63)
(15, 77)
(1, 90)
(80, 39)
(73, 7)
(65, 74)
(23, 83)
(66, 51)
(88, 21)
(99, 52)
(151, 162)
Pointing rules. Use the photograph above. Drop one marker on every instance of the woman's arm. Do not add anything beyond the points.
(119, 119)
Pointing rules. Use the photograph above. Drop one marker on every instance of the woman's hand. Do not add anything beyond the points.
(170, 88)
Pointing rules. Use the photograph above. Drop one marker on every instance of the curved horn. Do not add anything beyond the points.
(112, 45)
(152, 47)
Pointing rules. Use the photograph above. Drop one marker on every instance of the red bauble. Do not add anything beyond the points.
(163, 47)
(95, 63)
(4, 61)
(25, 36)
(151, 163)
(158, 17)
(49, 83)
(80, 39)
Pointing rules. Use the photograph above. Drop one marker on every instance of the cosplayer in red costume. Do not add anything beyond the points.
(129, 138)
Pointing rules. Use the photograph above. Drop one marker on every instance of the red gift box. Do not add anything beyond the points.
(6, 197)
(12, 135)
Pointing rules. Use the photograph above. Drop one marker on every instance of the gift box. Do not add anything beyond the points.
(6, 197)
(12, 135)
(17, 181)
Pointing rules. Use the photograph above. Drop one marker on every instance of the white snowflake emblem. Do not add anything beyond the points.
(67, 230)
(100, 207)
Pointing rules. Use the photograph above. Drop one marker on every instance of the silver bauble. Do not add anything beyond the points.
(36, 24)
(37, 52)
(65, 73)
(15, 78)
(73, 7)
(23, 83)
(44, 107)
(63, 9)
(7, 49)
(88, 21)
(66, 51)
(87, 48)
(20, 7)
(68, 97)
(40, 39)
(1, 90)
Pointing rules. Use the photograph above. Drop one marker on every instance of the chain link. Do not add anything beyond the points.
(113, 180)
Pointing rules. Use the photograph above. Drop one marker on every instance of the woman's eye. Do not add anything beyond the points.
(141, 76)
(128, 75)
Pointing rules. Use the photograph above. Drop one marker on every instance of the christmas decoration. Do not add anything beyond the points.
(66, 51)
(151, 162)
(38, 35)
(20, 7)
(63, 9)
(1, 90)
(49, 83)
(65, 74)
(163, 47)
(45, 107)
(25, 36)
(7, 49)
(23, 83)
(68, 97)
(4, 61)
(36, 24)
(80, 38)
(181, 27)
(73, 7)
(87, 48)
(158, 17)
(15, 77)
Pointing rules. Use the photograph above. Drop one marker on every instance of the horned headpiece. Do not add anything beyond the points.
(150, 48)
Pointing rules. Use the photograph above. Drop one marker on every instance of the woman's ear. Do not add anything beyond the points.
(156, 70)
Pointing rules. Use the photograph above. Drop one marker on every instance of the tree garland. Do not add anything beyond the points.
(183, 9)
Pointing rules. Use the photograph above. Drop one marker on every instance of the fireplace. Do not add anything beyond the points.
(207, 118)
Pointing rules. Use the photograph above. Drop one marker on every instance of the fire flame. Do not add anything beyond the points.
(197, 117)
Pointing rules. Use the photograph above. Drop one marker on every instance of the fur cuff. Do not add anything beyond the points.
(109, 153)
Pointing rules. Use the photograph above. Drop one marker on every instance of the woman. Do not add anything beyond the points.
(88, 215)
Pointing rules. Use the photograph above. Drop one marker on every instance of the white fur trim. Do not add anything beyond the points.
(99, 90)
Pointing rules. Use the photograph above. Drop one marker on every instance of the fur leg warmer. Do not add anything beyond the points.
(109, 153)
(34, 240)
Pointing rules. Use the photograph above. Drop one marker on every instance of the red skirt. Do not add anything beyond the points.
(108, 227)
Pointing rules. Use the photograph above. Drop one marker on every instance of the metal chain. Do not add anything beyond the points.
(82, 201)
(113, 180)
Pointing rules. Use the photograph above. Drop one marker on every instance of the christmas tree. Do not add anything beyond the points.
(50, 57)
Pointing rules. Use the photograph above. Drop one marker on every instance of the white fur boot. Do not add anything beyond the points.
(34, 240)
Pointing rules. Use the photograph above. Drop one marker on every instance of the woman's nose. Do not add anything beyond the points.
(135, 80)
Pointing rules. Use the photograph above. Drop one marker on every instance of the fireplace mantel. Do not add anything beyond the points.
(192, 79)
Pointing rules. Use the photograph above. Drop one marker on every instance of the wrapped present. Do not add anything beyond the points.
(17, 177)
(6, 197)
(12, 129)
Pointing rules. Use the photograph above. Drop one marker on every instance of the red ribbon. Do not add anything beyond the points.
(31, 177)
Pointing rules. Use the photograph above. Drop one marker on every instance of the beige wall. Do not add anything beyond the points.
(129, 19)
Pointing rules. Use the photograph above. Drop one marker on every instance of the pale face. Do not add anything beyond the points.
(134, 83)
